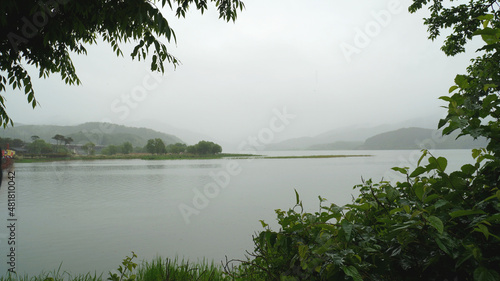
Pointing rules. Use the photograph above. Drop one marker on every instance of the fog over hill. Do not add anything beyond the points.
(350, 137)
(420, 138)
(189, 137)
(387, 136)
(402, 138)
(96, 132)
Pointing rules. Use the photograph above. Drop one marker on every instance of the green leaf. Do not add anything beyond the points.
(424, 153)
(494, 218)
(442, 246)
(392, 193)
(487, 17)
(447, 98)
(476, 153)
(418, 171)
(407, 209)
(297, 197)
(448, 244)
(347, 228)
(489, 39)
(483, 229)
(452, 88)
(488, 86)
(442, 122)
(486, 31)
(303, 251)
(430, 198)
(352, 272)
(461, 213)
(403, 171)
(483, 274)
(436, 223)
(462, 81)
(419, 191)
(440, 163)
(396, 210)
(264, 225)
(440, 203)
(468, 169)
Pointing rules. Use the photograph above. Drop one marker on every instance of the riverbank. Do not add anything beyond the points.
(144, 156)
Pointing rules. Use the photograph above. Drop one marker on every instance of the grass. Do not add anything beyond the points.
(193, 156)
(158, 269)
(55, 275)
(313, 156)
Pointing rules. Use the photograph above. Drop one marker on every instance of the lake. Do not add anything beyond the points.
(89, 215)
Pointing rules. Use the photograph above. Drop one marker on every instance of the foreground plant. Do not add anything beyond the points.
(126, 270)
(157, 270)
(433, 226)
(173, 269)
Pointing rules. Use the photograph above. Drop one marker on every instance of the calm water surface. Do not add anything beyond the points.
(88, 215)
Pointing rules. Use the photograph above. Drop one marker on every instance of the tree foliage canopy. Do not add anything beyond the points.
(156, 146)
(204, 148)
(462, 18)
(45, 33)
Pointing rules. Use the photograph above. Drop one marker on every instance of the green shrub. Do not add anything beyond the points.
(433, 226)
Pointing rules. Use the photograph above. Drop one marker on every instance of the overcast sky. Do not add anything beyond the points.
(330, 63)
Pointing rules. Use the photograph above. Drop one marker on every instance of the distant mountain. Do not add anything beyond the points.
(348, 138)
(96, 132)
(419, 138)
(406, 138)
(337, 139)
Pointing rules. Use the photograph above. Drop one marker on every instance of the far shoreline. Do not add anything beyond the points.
(137, 156)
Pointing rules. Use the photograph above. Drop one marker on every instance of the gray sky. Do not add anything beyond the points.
(329, 63)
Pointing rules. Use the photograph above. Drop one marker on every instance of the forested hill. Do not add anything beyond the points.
(418, 138)
(96, 132)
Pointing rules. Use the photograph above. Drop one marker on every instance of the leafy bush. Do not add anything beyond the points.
(433, 226)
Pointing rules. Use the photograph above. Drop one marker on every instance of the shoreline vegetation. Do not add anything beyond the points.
(157, 269)
(143, 156)
(316, 156)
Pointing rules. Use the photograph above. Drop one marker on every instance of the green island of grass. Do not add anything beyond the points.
(313, 156)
